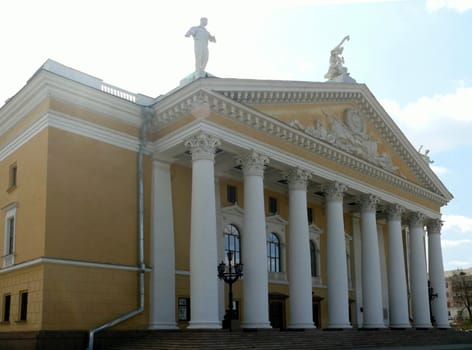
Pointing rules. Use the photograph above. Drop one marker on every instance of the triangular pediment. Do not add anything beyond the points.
(232, 210)
(276, 219)
(340, 122)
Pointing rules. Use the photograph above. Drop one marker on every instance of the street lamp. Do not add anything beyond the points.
(431, 296)
(229, 274)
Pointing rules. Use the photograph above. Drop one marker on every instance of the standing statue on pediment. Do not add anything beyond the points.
(201, 37)
(336, 61)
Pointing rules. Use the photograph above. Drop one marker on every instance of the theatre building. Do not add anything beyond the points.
(114, 203)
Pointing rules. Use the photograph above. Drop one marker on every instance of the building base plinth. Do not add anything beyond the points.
(204, 325)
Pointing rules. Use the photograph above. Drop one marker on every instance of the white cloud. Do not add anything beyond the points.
(457, 223)
(439, 169)
(447, 116)
(447, 243)
(455, 264)
(456, 5)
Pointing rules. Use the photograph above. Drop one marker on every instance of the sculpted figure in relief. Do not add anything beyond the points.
(201, 38)
(350, 136)
(336, 61)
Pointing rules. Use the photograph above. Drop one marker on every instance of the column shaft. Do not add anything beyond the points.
(436, 275)
(162, 298)
(397, 289)
(301, 311)
(338, 298)
(371, 283)
(254, 244)
(203, 236)
(418, 279)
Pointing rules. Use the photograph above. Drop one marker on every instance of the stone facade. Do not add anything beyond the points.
(311, 185)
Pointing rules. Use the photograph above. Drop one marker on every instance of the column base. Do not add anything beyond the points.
(374, 326)
(204, 325)
(307, 325)
(400, 326)
(163, 325)
(443, 326)
(335, 326)
(422, 325)
(256, 325)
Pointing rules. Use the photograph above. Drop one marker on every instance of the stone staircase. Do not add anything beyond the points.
(276, 340)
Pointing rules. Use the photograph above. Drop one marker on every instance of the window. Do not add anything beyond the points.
(184, 309)
(273, 252)
(6, 308)
(309, 212)
(231, 194)
(314, 258)
(232, 242)
(12, 182)
(272, 206)
(23, 305)
(9, 243)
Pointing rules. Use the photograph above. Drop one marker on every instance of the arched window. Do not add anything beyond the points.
(232, 242)
(273, 252)
(314, 258)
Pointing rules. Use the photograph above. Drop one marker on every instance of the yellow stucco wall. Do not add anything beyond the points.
(92, 200)
(29, 196)
(13, 283)
(77, 297)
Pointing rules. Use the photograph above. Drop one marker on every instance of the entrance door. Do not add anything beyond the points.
(277, 310)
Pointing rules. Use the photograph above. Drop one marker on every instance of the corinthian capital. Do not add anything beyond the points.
(253, 163)
(394, 212)
(297, 178)
(416, 219)
(368, 202)
(334, 190)
(434, 226)
(202, 146)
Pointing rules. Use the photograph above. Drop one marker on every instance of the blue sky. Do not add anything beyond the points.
(414, 55)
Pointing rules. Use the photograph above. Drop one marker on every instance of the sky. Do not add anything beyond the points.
(414, 55)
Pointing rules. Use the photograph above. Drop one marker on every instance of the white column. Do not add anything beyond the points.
(371, 283)
(254, 244)
(300, 288)
(418, 279)
(162, 298)
(338, 298)
(436, 275)
(397, 289)
(203, 234)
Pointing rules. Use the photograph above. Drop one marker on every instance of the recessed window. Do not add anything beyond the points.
(231, 194)
(232, 242)
(9, 242)
(184, 309)
(23, 305)
(272, 206)
(6, 308)
(273, 252)
(13, 177)
(314, 259)
(309, 212)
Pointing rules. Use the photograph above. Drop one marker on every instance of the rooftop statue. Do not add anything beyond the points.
(336, 61)
(201, 37)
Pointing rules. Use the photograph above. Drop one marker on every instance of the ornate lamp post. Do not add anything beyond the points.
(431, 296)
(229, 274)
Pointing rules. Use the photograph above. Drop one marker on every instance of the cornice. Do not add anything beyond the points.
(72, 125)
(46, 85)
(224, 105)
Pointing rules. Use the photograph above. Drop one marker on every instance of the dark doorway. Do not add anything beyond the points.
(316, 304)
(277, 310)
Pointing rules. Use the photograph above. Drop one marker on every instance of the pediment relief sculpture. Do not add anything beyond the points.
(350, 135)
